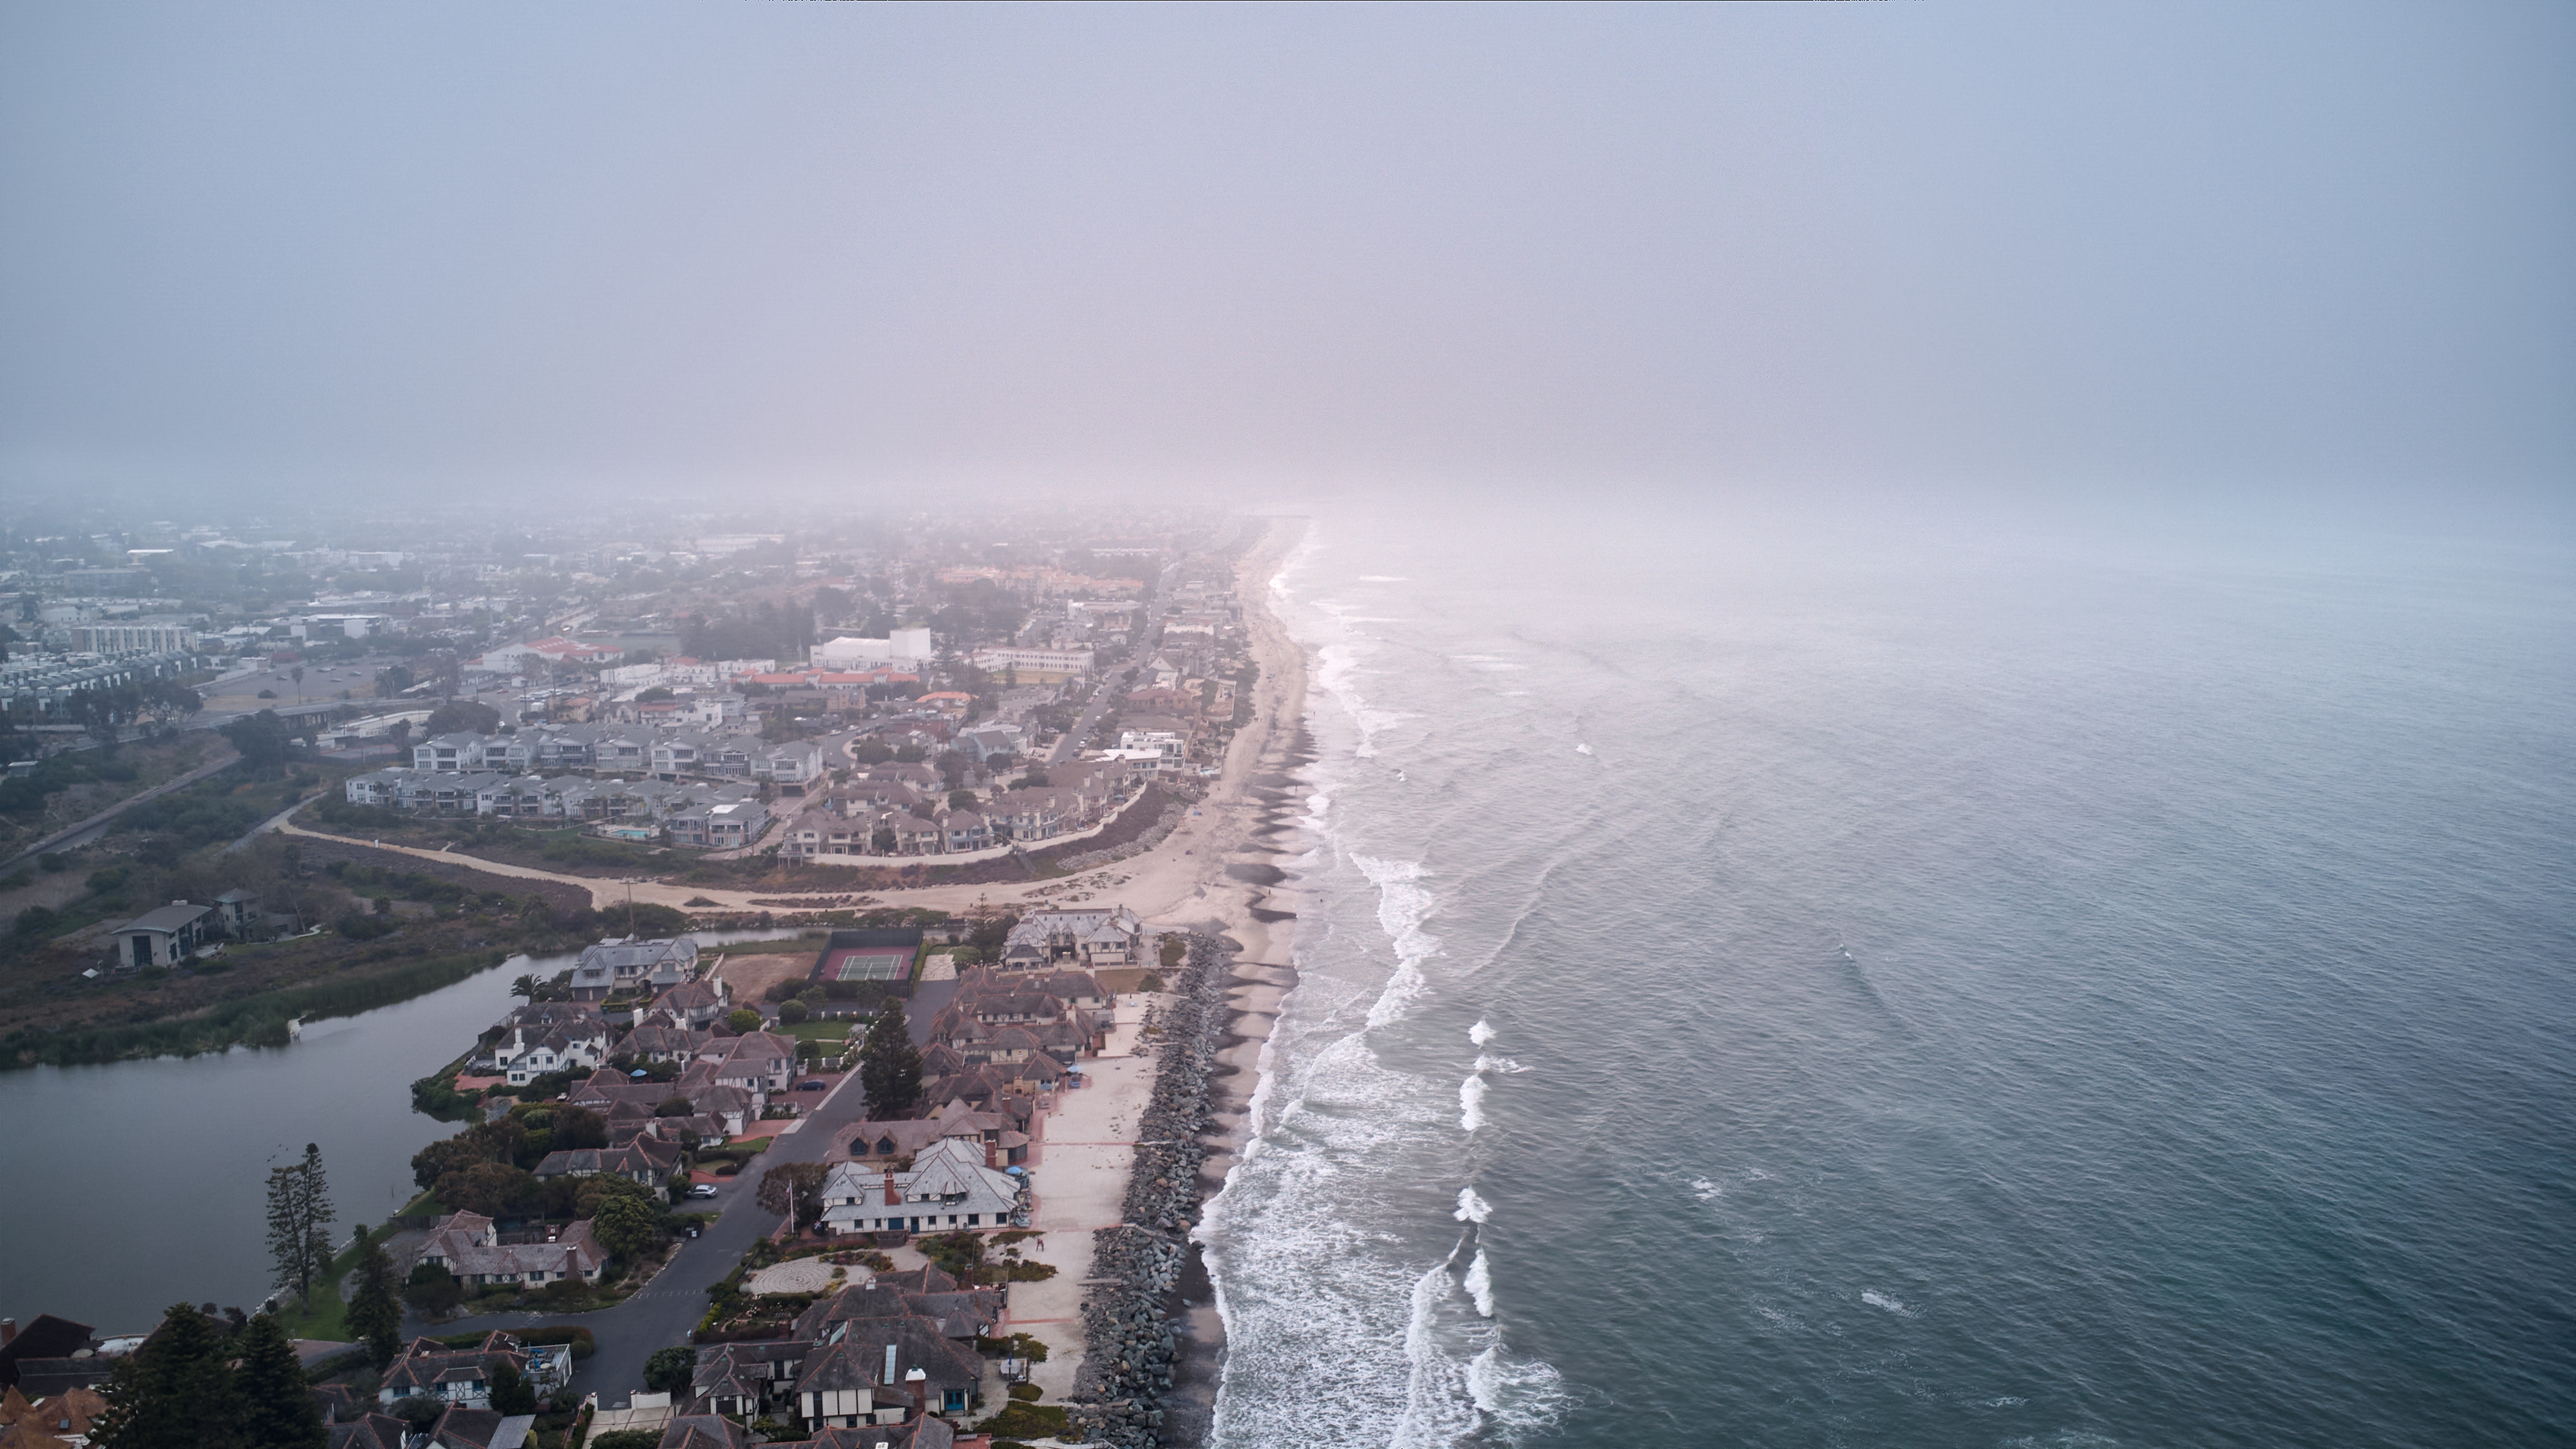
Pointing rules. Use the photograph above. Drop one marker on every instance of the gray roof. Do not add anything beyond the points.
(173, 917)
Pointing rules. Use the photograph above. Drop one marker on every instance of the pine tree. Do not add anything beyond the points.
(299, 1223)
(275, 1408)
(174, 1392)
(287, 1242)
(375, 1312)
(889, 1064)
(313, 1197)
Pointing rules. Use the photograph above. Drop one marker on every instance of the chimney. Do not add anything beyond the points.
(8, 1331)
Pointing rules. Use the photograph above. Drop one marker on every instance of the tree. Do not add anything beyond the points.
(299, 1223)
(451, 1154)
(375, 1311)
(670, 1370)
(793, 1189)
(298, 674)
(493, 1189)
(792, 1011)
(462, 716)
(274, 1400)
(512, 1394)
(1033, 780)
(431, 1289)
(578, 1127)
(962, 800)
(743, 1020)
(599, 1188)
(172, 1393)
(524, 988)
(261, 739)
(889, 1064)
(625, 1226)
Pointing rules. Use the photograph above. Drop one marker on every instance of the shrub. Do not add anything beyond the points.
(1020, 1419)
(364, 928)
(670, 1369)
(52, 861)
(1027, 1393)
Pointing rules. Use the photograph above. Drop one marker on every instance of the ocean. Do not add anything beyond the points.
(1780, 986)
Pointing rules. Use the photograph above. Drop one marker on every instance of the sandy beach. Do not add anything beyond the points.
(1213, 874)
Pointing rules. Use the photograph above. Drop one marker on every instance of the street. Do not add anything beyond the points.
(666, 1310)
(1109, 693)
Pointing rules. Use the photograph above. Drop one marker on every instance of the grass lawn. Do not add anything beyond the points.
(817, 1031)
(326, 1319)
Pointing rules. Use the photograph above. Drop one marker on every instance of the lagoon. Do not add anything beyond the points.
(134, 1185)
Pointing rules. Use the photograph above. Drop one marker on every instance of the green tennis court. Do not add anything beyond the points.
(866, 963)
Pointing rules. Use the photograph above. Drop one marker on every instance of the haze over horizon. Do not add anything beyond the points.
(1912, 253)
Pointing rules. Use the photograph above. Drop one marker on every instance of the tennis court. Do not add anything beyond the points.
(866, 963)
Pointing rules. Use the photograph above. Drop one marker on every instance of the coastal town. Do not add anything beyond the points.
(887, 916)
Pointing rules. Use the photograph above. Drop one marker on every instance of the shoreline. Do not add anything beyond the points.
(1213, 879)
(1256, 909)
(1208, 881)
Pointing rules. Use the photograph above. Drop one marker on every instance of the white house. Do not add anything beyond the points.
(949, 1187)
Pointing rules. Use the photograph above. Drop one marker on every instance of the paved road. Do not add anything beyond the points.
(663, 1314)
(1071, 744)
(90, 829)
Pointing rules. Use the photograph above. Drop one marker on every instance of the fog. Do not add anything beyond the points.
(1914, 253)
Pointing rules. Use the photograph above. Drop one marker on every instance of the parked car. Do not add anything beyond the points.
(702, 1189)
(811, 1086)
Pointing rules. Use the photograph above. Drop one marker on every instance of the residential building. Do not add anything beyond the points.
(623, 966)
(948, 1187)
(164, 937)
(469, 1247)
(1111, 936)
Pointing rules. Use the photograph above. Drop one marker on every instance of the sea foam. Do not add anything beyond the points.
(1472, 1208)
(1479, 1284)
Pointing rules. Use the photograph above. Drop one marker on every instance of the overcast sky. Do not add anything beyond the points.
(763, 247)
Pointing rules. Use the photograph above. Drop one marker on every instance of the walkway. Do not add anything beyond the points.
(605, 892)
